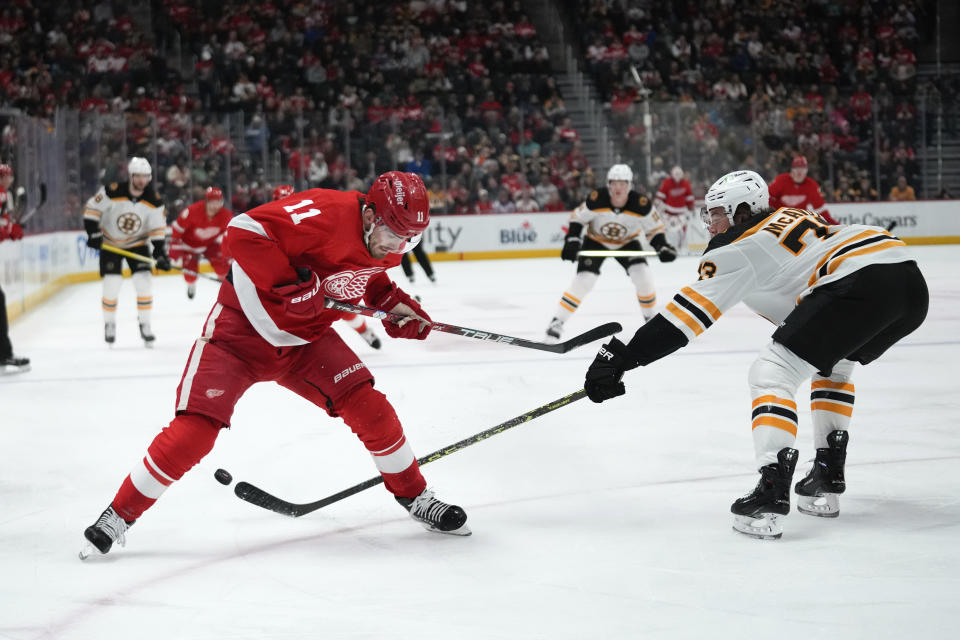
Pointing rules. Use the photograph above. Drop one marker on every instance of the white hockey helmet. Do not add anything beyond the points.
(138, 166)
(676, 173)
(620, 172)
(734, 189)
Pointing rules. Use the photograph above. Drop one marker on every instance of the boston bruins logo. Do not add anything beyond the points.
(129, 223)
(613, 231)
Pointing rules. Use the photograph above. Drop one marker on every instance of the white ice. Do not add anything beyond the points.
(594, 521)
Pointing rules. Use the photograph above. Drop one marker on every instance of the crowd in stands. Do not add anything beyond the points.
(756, 83)
(247, 95)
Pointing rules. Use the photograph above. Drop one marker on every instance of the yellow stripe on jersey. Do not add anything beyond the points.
(874, 239)
(685, 318)
(93, 214)
(704, 303)
(833, 407)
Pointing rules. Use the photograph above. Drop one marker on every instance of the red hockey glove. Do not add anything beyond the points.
(16, 231)
(415, 327)
(303, 299)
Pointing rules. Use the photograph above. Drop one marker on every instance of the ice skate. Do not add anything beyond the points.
(432, 278)
(110, 332)
(554, 331)
(14, 364)
(147, 334)
(370, 338)
(758, 513)
(191, 290)
(436, 515)
(818, 493)
(101, 535)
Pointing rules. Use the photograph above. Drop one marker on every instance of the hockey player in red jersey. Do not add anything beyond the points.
(9, 230)
(270, 323)
(837, 295)
(799, 191)
(675, 199)
(198, 232)
(355, 321)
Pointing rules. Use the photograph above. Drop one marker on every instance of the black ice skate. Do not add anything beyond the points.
(110, 332)
(101, 535)
(147, 335)
(758, 513)
(191, 290)
(817, 494)
(14, 364)
(436, 515)
(554, 331)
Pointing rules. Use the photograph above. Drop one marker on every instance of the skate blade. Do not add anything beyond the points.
(7, 370)
(767, 527)
(464, 530)
(88, 550)
(148, 344)
(825, 506)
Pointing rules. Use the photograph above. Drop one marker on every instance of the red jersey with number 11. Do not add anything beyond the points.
(320, 230)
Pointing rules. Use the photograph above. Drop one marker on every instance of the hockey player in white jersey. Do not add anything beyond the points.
(128, 215)
(614, 218)
(837, 294)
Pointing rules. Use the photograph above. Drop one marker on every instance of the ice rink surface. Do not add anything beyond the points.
(594, 521)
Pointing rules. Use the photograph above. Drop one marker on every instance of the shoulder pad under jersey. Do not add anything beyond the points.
(598, 199)
(152, 197)
(638, 204)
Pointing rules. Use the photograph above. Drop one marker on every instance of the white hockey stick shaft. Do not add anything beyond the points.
(614, 253)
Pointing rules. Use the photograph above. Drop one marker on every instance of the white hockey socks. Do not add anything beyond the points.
(143, 283)
(111, 290)
(774, 378)
(831, 402)
(570, 300)
(642, 277)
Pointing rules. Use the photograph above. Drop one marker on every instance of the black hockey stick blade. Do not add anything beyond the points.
(257, 496)
(596, 333)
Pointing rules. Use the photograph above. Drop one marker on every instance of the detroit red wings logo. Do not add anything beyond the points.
(348, 285)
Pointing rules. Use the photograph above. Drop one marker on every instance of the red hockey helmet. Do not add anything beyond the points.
(282, 191)
(400, 202)
(214, 193)
(5, 170)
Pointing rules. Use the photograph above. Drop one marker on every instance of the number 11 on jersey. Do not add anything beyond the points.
(300, 217)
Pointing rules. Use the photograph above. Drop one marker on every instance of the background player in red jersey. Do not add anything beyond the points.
(799, 191)
(353, 320)
(198, 232)
(9, 230)
(675, 200)
(270, 323)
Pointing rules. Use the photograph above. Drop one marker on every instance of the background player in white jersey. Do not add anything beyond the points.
(614, 218)
(838, 295)
(129, 215)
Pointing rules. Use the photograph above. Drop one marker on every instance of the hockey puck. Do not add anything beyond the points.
(223, 476)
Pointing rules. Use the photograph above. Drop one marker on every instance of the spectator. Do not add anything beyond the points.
(902, 191)
(504, 204)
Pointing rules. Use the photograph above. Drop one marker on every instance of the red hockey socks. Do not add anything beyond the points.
(369, 414)
(175, 450)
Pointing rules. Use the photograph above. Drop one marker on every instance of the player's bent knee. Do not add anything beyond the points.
(776, 367)
(183, 443)
(370, 415)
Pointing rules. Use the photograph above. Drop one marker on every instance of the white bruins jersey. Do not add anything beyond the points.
(616, 226)
(127, 221)
(772, 262)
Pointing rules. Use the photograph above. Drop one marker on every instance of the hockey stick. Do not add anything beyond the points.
(43, 199)
(259, 497)
(152, 262)
(596, 333)
(614, 253)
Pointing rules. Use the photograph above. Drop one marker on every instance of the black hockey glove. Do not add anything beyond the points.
(160, 257)
(94, 240)
(571, 244)
(603, 379)
(667, 253)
